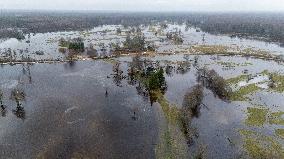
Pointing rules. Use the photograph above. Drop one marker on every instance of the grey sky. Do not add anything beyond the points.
(147, 5)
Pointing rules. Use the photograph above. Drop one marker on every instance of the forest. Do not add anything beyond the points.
(264, 26)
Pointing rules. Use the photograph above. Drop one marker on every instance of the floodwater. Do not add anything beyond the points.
(68, 114)
(218, 123)
(78, 110)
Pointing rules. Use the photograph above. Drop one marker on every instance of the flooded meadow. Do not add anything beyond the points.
(141, 105)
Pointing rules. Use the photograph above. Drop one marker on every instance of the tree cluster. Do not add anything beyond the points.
(212, 80)
(175, 37)
(76, 44)
(135, 43)
(156, 79)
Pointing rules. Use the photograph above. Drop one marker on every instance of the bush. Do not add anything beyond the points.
(157, 80)
(212, 80)
(135, 43)
(76, 44)
(193, 99)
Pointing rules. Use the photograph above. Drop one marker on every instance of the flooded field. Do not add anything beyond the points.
(135, 106)
(79, 110)
(101, 39)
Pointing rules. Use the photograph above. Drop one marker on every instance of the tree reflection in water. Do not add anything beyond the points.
(3, 108)
(70, 65)
(3, 112)
(117, 74)
(26, 70)
(18, 95)
(19, 112)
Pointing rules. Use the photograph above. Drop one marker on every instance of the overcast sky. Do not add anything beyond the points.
(147, 5)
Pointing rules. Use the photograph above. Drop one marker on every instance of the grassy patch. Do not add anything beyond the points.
(256, 116)
(279, 81)
(276, 118)
(172, 142)
(110, 60)
(237, 79)
(254, 51)
(171, 113)
(164, 148)
(265, 72)
(226, 50)
(260, 146)
(240, 95)
(280, 133)
(211, 49)
(233, 64)
(171, 145)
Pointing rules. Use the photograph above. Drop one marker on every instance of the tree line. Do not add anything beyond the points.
(265, 25)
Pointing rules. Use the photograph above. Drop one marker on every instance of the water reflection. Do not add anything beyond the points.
(70, 65)
(117, 74)
(3, 112)
(26, 70)
(183, 67)
(18, 96)
(169, 70)
(3, 108)
(19, 112)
